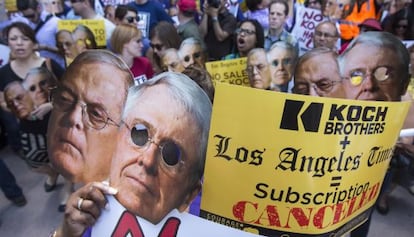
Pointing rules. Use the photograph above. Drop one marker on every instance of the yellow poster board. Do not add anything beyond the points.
(10, 5)
(290, 165)
(231, 71)
(97, 27)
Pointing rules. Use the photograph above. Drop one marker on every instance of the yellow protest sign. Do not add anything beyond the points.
(289, 164)
(10, 5)
(92, 32)
(231, 71)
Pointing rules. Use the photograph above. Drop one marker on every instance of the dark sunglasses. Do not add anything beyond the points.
(402, 26)
(41, 84)
(131, 19)
(170, 152)
(195, 56)
(30, 16)
(75, 1)
(157, 46)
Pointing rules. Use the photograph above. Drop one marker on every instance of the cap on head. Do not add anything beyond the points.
(372, 24)
(187, 5)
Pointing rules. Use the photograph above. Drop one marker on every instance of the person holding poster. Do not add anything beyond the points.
(159, 160)
(317, 74)
(258, 69)
(80, 138)
(375, 67)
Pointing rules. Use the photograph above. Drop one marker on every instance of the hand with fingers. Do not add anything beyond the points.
(84, 208)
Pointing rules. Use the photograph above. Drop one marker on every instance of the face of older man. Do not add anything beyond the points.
(281, 65)
(171, 62)
(258, 70)
(192, 54)
(37, 86)
(83, 124)
(372, 73)
(19, 101)
(325, 36)
(152, 176)
(319, 76)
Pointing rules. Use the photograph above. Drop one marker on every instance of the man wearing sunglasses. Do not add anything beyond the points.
(375, 67)
(282, 58)
(87, 104)
(159, 160)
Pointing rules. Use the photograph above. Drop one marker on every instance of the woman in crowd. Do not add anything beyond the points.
(249, 35)
(401, 24)
(126, 41)
(126, 15)
(23, 44)
(163, 36)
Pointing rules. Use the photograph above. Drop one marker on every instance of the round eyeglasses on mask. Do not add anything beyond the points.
(170, 152)
(381, 75)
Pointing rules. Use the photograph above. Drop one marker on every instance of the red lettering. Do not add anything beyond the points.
(299, 216)
(272, 216)
(239, 209)
(127, 223)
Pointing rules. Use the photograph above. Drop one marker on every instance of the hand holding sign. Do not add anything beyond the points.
(84, 208)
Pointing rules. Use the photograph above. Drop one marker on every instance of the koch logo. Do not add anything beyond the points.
(310, 117)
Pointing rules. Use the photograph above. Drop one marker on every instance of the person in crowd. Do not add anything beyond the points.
(33, 132)
(125, 14)
(217, 27)
(258, 10)
(86, 10)
(317, 74)
(109, 13)
(282, 58)
(97, 81)
(375, 67)
(66, 46)
(191, 53)
(45, 27)
(249, 35)
(152, 13)
(314, 4)
(401, 24)
(9, 186)
(84, 38)
(154, 148)
(258, 70)
(355, 13)
(278, 14)
(325, 35)
(23, 44)
(171, 62)
(333, 9)
(126, 41)
(200, 76)
(163, 36)
(188, 27)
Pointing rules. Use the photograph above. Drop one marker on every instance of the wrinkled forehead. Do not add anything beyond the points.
(257, 57)
(280, 53)
(14, 90)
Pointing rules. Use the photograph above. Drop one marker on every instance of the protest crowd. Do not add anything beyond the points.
(120, 60)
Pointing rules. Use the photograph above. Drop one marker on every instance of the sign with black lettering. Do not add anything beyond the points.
(231, 71)
(295, 165)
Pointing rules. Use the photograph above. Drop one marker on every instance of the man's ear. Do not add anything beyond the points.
(190, 196)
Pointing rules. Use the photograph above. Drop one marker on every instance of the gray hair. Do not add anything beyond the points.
(193, 99)
(255, 50)
(381, 40)
(190, 41)
(102, 56)
(284, 45)
(46, 74)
